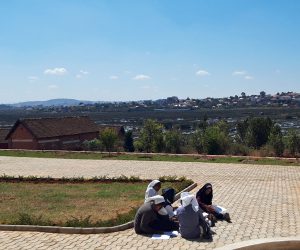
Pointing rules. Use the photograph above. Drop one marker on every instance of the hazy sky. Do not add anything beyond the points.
(147, 49)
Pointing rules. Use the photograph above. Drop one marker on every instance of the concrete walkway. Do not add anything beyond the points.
(264, 202)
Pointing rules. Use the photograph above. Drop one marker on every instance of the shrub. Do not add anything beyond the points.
(197, 141)
(276, 141)
(151, 137)
(238, 149)
(27, 219)
(215, 141)
(173, 141)
(293, 142)
(92, 145)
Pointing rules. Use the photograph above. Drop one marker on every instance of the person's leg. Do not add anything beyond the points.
(222, 216)
(206, 229)
(218, 216)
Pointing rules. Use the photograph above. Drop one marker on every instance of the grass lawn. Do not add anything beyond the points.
(152, 157)
(72, 204)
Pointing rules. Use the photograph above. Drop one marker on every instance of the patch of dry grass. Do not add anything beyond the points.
(58, 203)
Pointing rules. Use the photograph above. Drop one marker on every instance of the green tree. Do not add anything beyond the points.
(109, 138)
(151, 137)
(223, 126)
(293, 142)
(242, 127)
(276, 140)
(262, 94)
(215, 141)
(197, 141)
(128, 142)
(258, 131)
(173, 141)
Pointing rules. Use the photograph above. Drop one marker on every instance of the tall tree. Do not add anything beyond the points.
(258, 131)
(276, 140)
(151, 137)
(242, 127)
(173, 141)
(293, 142)
(215, 141)
(197, 141)
(109, 138)
(128, 142)
(262, 94)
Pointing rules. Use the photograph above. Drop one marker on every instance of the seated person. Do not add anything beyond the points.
(152, 189)
(169, 195)
(191, 219)
(204, 197)
(147, 219)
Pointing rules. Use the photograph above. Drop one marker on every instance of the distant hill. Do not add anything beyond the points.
(52, 102)
(4, 107)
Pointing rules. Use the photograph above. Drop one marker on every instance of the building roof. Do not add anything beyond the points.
(3, 134)
(54, 127)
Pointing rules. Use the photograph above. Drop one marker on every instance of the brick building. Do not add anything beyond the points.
(3, 141)
(65, 133)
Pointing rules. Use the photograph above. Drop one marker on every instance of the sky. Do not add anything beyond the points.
(116, 50)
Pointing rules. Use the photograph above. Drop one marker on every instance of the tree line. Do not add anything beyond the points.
(260, 135)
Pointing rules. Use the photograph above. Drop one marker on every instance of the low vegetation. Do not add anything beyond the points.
(152, 157)
(253, 136)
(94, 202)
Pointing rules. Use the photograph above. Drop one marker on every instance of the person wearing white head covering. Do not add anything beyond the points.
(152, 189)
(191, 219)
(147, 219)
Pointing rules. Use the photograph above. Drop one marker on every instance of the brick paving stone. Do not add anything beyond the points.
(263, 202)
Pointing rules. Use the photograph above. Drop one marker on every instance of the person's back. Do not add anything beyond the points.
(144, 216)
(189, 222)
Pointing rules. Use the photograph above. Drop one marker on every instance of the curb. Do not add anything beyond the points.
(80, 230)
(287, 243)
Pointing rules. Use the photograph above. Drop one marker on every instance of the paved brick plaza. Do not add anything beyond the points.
(264, 202)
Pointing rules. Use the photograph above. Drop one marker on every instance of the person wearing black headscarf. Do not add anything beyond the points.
(204, 197)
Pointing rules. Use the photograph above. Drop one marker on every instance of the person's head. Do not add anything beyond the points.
(157, 202)
(169, 195)
(208, 190)
(157, 186)
(157, 207)
(187, 199)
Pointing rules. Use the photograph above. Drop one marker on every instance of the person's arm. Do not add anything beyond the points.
(205, 207)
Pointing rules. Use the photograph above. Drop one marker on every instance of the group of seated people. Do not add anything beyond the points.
(192, 218)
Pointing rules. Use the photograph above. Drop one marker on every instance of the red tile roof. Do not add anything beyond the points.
(54, 127)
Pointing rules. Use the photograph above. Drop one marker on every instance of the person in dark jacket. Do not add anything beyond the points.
(204, 197)
(147, 219)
